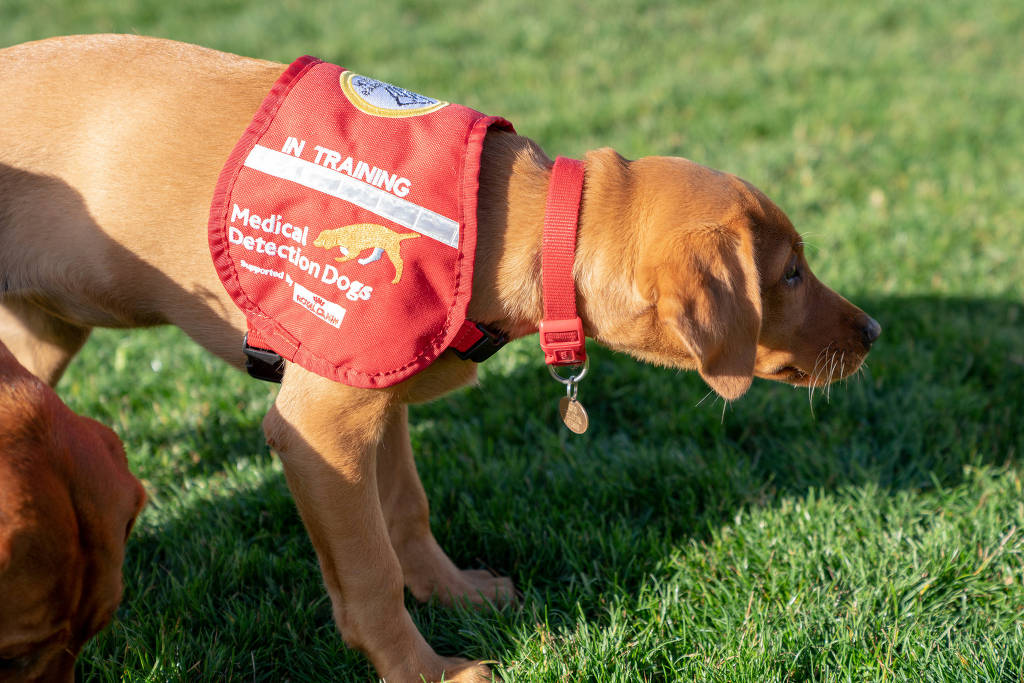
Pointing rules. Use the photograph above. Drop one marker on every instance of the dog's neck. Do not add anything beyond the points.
(514, 177)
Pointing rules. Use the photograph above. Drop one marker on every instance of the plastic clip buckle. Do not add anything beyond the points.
(484, 347)
(563, 341)
(262, 364)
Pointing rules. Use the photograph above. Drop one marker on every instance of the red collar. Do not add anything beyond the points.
(561, 330)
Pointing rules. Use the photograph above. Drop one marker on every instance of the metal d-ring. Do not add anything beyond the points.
(571, 379)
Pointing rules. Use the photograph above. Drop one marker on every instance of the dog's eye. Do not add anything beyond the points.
(10, 663)
(792, 274)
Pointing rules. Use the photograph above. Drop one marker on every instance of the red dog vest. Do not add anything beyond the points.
(344, 223)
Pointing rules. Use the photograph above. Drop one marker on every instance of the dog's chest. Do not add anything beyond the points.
(344, 224)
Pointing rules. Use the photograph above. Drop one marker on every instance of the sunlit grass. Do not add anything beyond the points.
(879, 538)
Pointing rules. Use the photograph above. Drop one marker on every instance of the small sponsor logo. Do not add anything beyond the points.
(378, 98)
(328, 311)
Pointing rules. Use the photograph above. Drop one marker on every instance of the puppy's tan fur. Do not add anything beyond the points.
(109, 151)
(67, 501)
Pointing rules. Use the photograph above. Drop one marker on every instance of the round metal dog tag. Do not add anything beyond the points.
(573, 414)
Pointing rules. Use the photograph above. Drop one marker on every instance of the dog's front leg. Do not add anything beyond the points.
(327, 436)
(375, 256)
(427, 569)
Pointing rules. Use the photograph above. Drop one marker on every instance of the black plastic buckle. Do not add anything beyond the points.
(485, 347)
(262, 364)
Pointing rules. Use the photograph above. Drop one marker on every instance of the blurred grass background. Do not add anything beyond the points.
(877, 538)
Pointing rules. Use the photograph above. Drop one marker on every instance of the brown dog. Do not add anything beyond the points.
(110, 147)
(67, 502)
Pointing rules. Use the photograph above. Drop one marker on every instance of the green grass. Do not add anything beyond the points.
(879, 537)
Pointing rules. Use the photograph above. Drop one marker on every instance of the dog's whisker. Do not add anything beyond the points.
(811, 382)
(837, 369)
(710, 393)
(828, 379)
(808, 245)
(832, 373)
(817, 373)
(814, 372)
(862, 371)
(834, 366)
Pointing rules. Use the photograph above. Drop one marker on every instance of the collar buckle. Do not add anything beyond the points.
(563, 342)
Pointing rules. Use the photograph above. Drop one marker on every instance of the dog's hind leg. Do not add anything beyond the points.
(396, 261)
(426, 568)
(42, 342)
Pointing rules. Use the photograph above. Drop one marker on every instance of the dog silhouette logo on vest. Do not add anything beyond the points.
(352, 240)
(383, 99)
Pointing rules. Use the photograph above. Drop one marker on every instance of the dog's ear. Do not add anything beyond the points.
(107, 495)
(712, 299)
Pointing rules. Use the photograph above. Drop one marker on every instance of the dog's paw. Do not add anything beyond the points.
(467, 587)
(430, 574)
(479, 587)
(458, 670)
(442, 669)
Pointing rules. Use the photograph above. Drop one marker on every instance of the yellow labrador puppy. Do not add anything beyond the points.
(110, 148)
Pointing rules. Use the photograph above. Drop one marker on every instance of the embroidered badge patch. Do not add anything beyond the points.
(378, 98)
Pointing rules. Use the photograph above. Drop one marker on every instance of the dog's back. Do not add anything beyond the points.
(92, 128)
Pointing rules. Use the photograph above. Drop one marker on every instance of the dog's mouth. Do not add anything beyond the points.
(343, 250)
(790, 374)
(824, 373)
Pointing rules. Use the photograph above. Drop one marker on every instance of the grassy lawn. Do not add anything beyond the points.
(874, 533)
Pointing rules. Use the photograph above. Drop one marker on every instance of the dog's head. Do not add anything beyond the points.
(67, 503)
(719, 281)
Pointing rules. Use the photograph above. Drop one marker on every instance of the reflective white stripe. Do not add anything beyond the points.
(363, 195)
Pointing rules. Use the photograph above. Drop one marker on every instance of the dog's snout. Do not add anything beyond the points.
(870, 331)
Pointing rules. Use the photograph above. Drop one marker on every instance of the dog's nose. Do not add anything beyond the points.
(871, 331)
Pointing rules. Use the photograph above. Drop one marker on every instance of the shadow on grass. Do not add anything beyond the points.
(576, 521)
